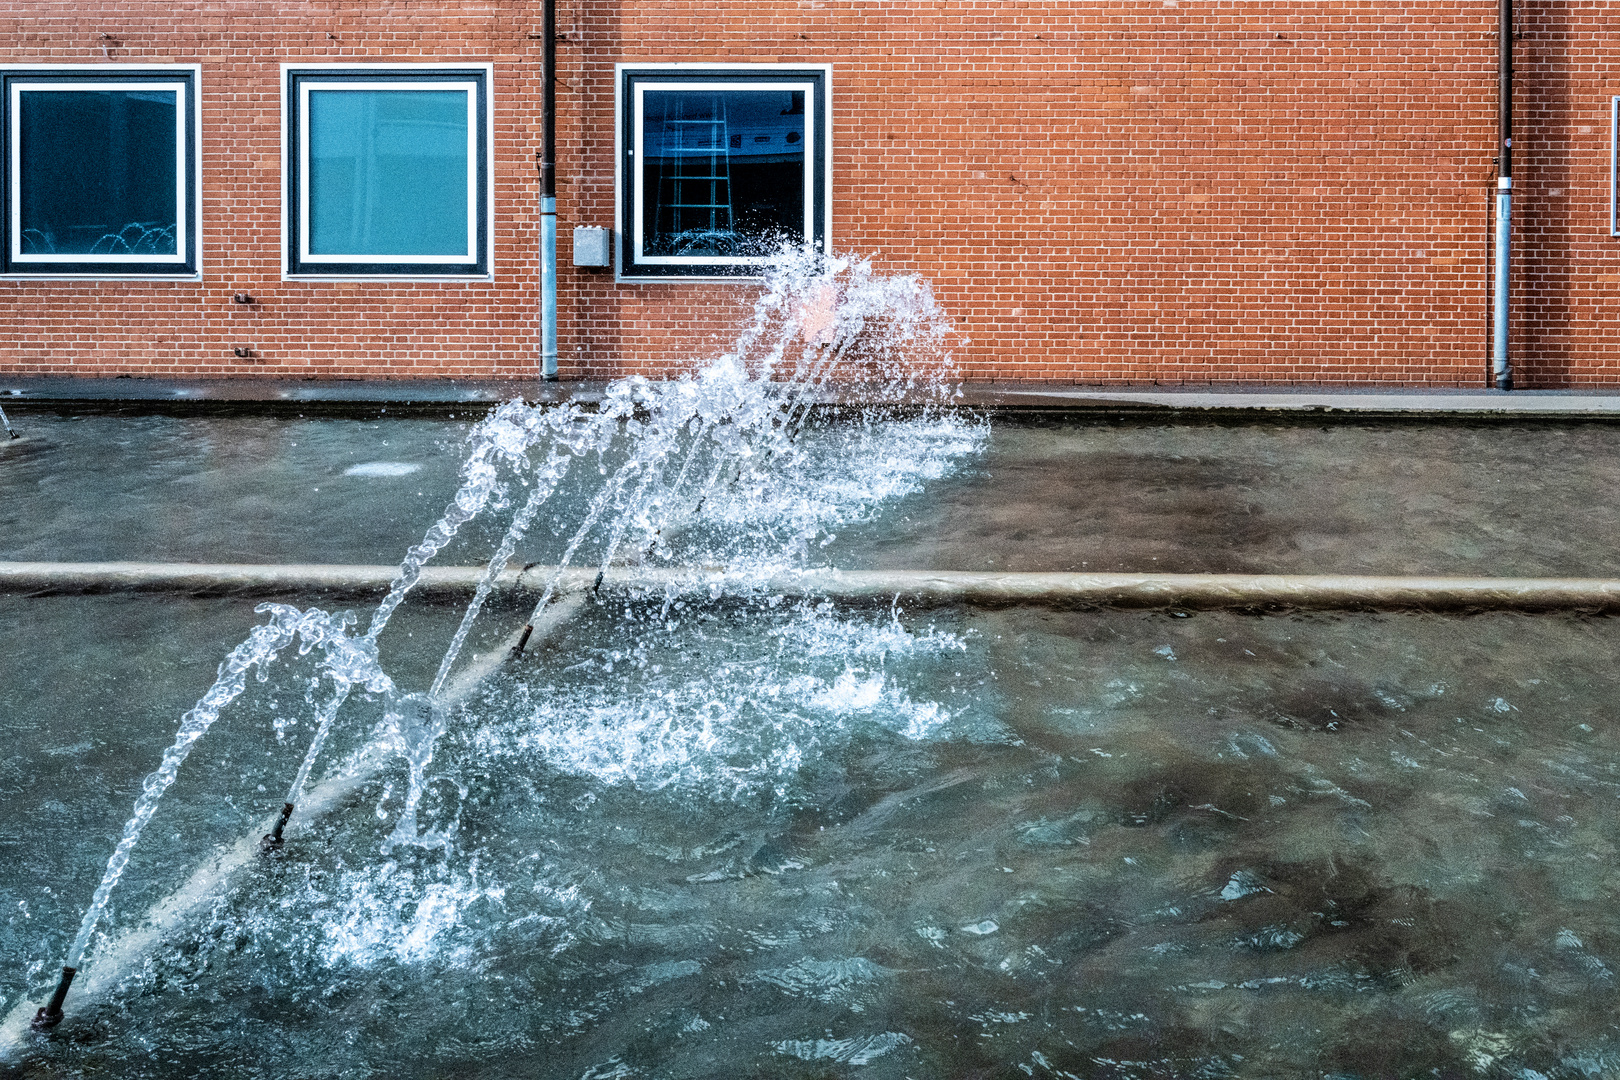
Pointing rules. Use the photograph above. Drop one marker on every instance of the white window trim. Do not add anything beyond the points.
(179, 90)
(619, 192)
(196, 233)
(487, 163)
(1614, 166)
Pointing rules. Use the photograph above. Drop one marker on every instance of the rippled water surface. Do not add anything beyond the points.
(1495, 499)
(723, 840)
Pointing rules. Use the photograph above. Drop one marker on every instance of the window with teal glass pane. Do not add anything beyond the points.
(99, 171)
(389, 171)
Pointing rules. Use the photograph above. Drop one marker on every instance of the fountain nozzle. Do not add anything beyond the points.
(50, 1015)
(272, 840)
(517, 650)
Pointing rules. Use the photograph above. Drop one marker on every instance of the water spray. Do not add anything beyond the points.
(733, 409)
(261, 647)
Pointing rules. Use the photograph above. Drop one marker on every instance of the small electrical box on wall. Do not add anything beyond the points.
(592, 246)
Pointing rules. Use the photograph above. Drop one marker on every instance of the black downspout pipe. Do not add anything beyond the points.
(1501, 369)
(548, 101)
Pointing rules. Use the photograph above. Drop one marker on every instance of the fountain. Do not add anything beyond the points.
(659, 801)
(735, 424)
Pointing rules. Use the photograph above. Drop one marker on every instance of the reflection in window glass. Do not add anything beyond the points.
(388, 172)
(97, 172)
(723, 171)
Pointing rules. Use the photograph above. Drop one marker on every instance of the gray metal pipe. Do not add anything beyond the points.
(1501, 368)
(548, 193)
(916, 588)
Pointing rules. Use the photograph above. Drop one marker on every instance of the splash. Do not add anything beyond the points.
(314, 628)
(711, 469)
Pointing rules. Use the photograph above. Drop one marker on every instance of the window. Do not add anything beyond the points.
(719, 165)
(387, 171)
(1614, 166)
(100, 170)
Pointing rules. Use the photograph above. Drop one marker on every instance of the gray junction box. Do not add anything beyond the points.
(591, 246)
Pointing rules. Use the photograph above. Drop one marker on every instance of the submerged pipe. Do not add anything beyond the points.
(1501, 369)
(548, 193)
(920, 588)
(9, 429)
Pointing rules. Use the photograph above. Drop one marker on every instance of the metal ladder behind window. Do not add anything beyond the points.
(694, 183)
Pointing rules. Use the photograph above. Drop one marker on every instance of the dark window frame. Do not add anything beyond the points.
(295, 265)
(186, 265)
(628, 267)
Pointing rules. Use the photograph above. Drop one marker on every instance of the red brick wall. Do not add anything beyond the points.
(1249, 190)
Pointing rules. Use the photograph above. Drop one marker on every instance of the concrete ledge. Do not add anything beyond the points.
(454, 398)
(472, 398)
(1477, 404)
(914, 588)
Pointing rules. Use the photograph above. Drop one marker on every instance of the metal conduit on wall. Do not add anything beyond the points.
(548, 193)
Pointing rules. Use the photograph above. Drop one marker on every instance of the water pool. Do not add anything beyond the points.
(737, 834)
(1372, 498)
(787, 842)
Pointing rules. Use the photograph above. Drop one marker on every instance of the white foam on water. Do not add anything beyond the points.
(852, 694)
(730, 732)
(820, 631)
(383, 468)
(859, 1050)
(774, 690)
(838, 980)
(393, 916)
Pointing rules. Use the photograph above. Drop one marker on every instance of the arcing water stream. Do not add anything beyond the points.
(704, 470)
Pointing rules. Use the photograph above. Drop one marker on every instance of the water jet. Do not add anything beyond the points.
(744, 406)
(1249, 791)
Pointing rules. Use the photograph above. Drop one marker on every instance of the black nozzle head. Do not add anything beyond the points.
(272, 841)
(517, 650)
(50, 1015)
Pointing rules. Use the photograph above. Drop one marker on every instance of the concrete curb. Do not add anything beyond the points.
(469, 399)
(915, 588)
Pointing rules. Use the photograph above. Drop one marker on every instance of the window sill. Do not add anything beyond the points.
(690, 279)
(15, 276)
(465, 279)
